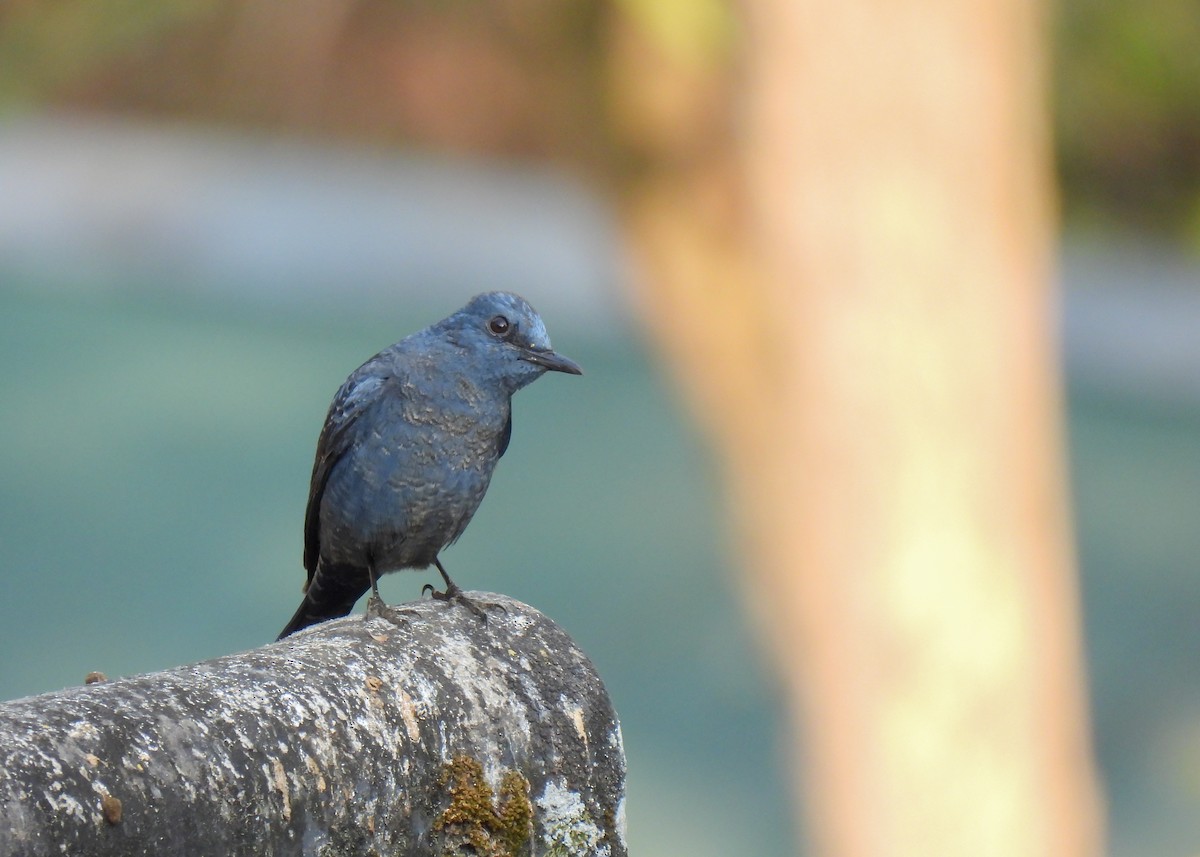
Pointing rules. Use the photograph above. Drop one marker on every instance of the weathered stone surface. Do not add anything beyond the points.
(356, 737)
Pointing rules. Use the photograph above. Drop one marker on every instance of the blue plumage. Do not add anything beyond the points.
(409, 446)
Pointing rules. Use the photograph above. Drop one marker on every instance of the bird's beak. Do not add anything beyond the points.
(551, 360)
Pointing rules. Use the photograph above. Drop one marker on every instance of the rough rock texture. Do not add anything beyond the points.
(442, 734)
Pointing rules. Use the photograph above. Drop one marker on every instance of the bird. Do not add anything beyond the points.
(408, 449)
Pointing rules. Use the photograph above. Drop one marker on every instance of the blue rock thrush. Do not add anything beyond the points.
(408, 449)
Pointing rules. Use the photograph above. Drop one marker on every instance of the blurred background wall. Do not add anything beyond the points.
(210, 212)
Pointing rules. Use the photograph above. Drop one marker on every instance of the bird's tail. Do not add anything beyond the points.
(331, 593)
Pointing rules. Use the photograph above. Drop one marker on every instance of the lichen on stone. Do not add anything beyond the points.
(567, 827)
(479, 821)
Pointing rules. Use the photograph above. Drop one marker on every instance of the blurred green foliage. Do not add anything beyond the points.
(46, 48)
(1127, 113)
(693, 31)
(1126, 100)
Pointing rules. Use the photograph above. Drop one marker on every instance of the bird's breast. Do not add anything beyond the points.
(409, 486)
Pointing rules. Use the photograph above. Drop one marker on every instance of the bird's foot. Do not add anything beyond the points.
(454, 594)
(376, 609)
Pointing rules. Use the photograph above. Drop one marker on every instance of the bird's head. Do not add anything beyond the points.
(510, 338)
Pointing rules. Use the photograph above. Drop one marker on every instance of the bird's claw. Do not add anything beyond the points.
(455, 595)
(376, 609)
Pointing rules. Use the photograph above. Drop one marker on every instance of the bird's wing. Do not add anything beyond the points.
(505, 436)
(337, 435)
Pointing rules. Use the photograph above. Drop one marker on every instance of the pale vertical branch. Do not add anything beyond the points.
(899, 172)
(858, 301)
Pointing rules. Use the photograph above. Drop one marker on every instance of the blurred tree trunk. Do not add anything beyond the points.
(855, 289)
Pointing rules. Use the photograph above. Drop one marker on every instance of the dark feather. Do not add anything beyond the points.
(337, 436)
(332, 594)
(505, 436)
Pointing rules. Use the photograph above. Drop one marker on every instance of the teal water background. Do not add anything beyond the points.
(154, 464)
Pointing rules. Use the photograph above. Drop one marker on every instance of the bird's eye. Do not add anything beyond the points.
(499, 325)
